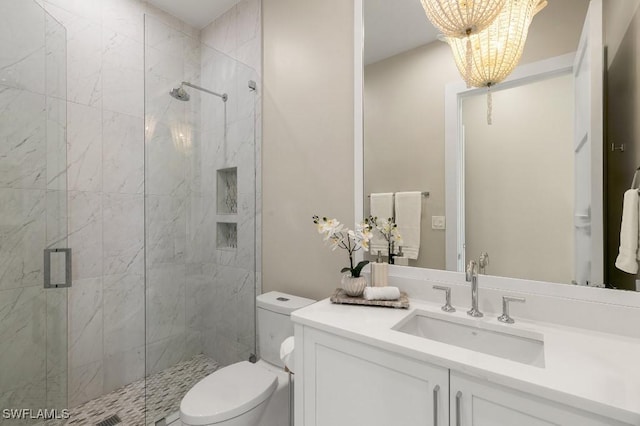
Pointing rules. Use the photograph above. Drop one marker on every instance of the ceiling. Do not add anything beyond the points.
(392, 27)
(197, 13)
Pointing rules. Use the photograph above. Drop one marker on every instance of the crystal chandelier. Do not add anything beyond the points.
(461, 18)
(487, 58)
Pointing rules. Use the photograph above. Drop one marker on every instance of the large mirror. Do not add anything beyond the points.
(523, 189)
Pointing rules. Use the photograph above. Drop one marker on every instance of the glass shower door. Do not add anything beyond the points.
(200, 213)
(33, 215)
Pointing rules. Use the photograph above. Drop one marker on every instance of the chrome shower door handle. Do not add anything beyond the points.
(48, 281)
(436, 392)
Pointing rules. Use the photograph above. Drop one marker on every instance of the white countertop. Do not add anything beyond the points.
(592, 371)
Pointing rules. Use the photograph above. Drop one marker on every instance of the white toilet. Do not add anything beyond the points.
(246, 394)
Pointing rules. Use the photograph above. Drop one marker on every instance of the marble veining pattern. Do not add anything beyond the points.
(22, 329)
(23, 235)
(123, 240)
(56, 142)
(84, 139)
(22, 46)
(84, 56)
(104, 83)
(86, 233)
(22, 139)
(86, 319)
(123, 313)
(123, 151)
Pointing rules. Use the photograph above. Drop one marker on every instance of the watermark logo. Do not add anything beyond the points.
(31, 414)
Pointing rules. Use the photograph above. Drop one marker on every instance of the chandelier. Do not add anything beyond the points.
(488, 57)
(461, 18)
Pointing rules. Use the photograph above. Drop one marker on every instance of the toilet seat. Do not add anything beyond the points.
(227, 393)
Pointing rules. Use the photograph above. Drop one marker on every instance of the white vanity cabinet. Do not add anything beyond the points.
(343, 382)
(346, 383)
(476, 402)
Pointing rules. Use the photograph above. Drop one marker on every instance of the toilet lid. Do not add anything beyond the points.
(227, 393)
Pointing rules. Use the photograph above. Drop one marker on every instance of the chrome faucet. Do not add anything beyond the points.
(483, 262)
(472, 277)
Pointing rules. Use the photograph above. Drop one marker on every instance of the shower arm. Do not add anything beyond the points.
(224, 96)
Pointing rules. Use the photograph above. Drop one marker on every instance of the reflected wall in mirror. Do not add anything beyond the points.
(406, 73)
(519, 180)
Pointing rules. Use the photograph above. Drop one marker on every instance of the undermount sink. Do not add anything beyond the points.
(492, 339)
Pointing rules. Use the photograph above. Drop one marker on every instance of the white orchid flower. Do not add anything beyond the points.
(338, 236)
(327, 226)
(331, 233)
(335, 241)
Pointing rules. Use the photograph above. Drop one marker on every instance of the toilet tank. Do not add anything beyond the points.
(274, 322)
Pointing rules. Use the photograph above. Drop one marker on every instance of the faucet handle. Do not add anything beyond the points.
(447, 292)
(505, 318)
(472, 268)
(483, 262)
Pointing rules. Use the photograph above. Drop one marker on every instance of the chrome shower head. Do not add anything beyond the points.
(180, 94)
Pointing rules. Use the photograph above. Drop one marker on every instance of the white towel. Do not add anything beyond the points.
(381, 293)
(286, 353)
(408, 217)
(627, 260)
(380, 206)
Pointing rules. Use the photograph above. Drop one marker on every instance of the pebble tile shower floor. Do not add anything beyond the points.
(164, 390)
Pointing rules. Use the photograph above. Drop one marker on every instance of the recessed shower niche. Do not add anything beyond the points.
(227, 204)
(227, 236)
(227, 193)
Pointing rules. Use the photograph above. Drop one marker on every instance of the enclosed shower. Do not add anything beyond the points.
(200, 205)
(129, 179)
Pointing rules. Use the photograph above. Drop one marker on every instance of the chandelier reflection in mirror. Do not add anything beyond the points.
(487, 58)
(461, 18)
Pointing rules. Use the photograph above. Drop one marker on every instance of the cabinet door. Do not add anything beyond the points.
(348, 384)
(479, 403)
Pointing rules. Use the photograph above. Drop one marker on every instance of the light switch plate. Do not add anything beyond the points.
(438, 222)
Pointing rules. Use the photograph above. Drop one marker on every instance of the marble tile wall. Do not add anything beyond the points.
(33, 356)
(193, 289)
(172, 56)
(228, 322)
(104, 55)
(105, 168)
(189, 143)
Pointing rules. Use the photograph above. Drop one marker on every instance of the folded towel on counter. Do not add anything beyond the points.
(627, 259)
(286, 353)
(408, 219)
(380, 206)
(381, 293)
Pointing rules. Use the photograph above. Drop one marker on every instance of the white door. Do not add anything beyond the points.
(588, 152)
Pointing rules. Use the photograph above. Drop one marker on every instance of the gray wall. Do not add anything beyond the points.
(308, 141)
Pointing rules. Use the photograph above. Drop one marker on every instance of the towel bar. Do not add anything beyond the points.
(425, 194)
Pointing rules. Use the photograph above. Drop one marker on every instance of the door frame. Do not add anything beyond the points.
(454, 145)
